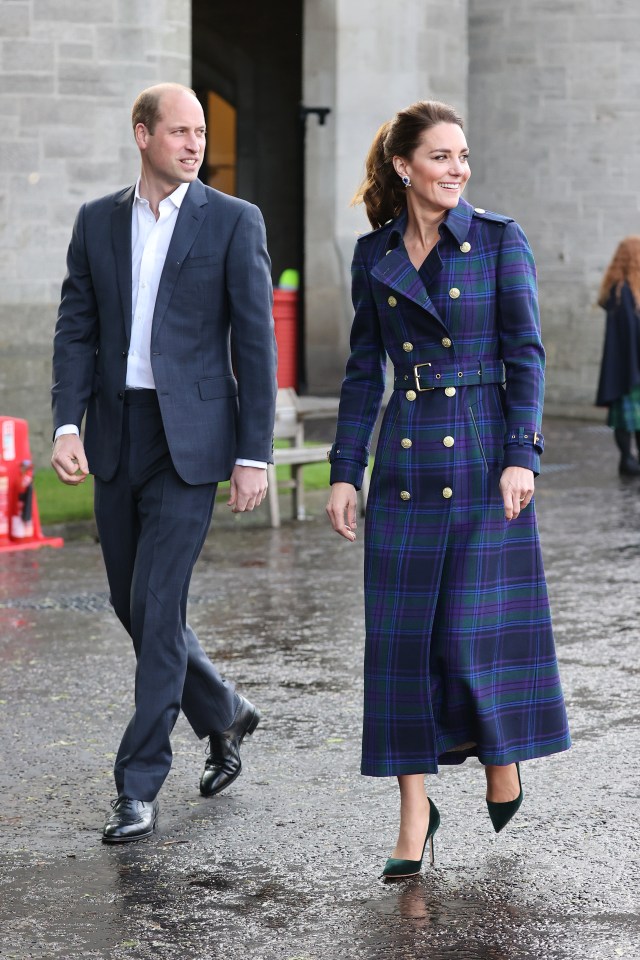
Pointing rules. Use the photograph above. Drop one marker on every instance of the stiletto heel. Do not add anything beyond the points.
(395, 868)
(501, 813)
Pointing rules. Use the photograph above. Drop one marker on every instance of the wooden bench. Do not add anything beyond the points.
(291, 413)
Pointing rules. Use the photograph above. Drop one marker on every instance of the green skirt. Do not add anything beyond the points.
(624, 413)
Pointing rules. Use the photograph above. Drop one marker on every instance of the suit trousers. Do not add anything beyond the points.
(152, 526)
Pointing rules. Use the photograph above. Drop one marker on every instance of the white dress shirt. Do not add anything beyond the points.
(150, 239)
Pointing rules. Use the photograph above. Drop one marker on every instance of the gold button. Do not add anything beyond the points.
(392, 302)
(447, 493)
(450, 391)
(448, 441)
(454, 293)
(480, 210)
(411, 394)
(405, 495)
(405, 442)
(407, 346)
(465, 247)
(446, 342)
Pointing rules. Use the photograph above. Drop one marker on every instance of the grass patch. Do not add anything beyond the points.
(59, 503)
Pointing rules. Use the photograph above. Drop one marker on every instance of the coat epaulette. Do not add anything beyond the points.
(490, 215)
(373, 233)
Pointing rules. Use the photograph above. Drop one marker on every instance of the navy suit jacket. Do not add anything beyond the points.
(214, 300)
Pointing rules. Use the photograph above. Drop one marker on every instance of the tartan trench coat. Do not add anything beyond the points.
(459, 653)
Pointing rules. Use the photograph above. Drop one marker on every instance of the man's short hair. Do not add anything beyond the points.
(146, 109)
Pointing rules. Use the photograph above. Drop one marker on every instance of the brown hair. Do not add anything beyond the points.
(382, 190)
(146, 109)
(624, 268)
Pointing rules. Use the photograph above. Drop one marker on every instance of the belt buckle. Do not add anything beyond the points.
(416, 377)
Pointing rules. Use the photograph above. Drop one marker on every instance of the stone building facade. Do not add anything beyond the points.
(550, 88)
(69, 71)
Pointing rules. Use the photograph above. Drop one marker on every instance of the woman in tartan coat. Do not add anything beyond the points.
(619, 382)
(459, 657)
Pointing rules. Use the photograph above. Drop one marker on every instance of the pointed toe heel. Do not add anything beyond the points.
(502, 813)
(395, 869)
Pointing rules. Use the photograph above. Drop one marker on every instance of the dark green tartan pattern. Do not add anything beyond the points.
(624, 413)
(459, 646)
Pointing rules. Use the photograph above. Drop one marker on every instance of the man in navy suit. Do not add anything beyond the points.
(164, 279)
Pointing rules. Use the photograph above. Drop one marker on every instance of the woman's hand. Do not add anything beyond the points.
(516, 487)
(342, 509)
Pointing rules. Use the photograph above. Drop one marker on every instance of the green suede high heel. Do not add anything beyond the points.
(501, 813)
(395, 869)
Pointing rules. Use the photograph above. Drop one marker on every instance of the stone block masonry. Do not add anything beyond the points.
(555, 141)
(69, 72)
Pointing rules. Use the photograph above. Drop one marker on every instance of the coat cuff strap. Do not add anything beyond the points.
(342, 450)
(522, 437)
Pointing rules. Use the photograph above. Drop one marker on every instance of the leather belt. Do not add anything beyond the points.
(437, 374)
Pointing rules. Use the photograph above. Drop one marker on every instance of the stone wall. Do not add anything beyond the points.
(554, 130)
(69, 72)
(365, 59)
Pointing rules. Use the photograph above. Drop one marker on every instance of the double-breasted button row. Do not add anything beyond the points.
(449, 391)
(406, 443)
(447, 493)
(454, 293)
(407, 346)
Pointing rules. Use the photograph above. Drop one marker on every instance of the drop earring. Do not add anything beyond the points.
(406, 181)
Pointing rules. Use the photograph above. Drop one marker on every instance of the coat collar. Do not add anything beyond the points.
(457, 222)
(396, 270)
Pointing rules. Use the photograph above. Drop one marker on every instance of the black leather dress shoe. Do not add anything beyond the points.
(130, 820)
(223, 764)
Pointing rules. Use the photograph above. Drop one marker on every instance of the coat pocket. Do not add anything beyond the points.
(211, 388)
(474, 423)
(193, 262)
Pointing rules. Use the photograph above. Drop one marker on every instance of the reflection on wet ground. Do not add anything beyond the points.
(285, 864)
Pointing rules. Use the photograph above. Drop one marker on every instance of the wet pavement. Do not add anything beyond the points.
(284, 865)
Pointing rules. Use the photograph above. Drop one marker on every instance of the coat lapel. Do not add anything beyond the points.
(121, 242)
(395, 270)
(190, 218)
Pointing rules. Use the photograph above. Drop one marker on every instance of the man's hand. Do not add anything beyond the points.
(342, 509)
(516, 487)
(69, 461)
(248, 488)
